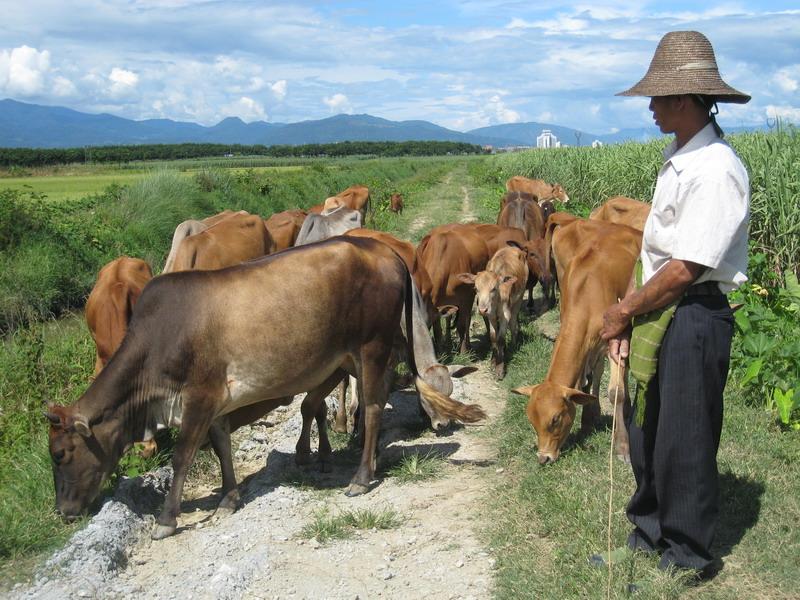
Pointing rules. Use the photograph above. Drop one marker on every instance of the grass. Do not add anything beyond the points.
(415, 467)
(324, 526)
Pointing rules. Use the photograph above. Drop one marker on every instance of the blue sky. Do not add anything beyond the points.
(461, 64)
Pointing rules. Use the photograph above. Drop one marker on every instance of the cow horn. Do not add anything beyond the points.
(52, 417)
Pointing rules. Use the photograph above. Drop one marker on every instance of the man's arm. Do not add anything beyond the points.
(666, 286)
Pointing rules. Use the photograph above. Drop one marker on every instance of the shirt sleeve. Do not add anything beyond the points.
(710, 212)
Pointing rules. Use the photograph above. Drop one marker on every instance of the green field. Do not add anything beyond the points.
(540, 523)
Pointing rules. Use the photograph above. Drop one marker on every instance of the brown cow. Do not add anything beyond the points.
(203, 344)
(111, 302)
(497, 237)
(500, 289)
(623, 211)
(284, 227)
(445, 254)
(396, 203)
(355, 197)
(190, 227)
(596, 260)
(537, 187)
(520, 210)
(233, 240)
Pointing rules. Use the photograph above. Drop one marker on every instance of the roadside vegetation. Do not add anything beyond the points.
(325, 526)
(540, 522)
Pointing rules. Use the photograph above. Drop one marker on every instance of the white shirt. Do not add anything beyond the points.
(700, 211)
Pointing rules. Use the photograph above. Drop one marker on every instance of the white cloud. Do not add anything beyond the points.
(498, 112)
(123, 82)
(279, 89)
(787, 78)
(785, 113)
(246, 109)
(338, 103)
(545, 116)
(63, 87)
(23, 70)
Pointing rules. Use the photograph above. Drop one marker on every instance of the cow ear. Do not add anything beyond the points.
(81, 425)
(52, 417)
(468, 278)
(447, 310)
(578, 397)
(515, 244)
(509, 279)
(525, 390)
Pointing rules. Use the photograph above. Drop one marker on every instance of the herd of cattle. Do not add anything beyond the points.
(310, 298)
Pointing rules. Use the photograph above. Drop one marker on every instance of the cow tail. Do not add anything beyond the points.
(445, 406)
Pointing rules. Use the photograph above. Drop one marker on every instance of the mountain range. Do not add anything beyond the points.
(24, 125)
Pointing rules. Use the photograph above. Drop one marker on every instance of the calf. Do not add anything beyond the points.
(596, 263)
(500, 289)
(203, 345)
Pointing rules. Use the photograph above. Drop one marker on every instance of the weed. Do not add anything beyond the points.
(413, 468)
(324, 526)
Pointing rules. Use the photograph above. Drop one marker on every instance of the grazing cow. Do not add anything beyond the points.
(206, 344)
(111, 302)
(321, 226)
(520, 210)
(537, 187)
(596, 260)
(356, 197)
(500, 289)
(623, 211)
(396, 203)
(284, 227)
(190, 227)
(445, 254)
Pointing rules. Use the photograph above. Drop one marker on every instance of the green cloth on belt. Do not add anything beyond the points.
(648, 333)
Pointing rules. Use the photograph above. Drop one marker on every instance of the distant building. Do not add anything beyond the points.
(597, 144)
(547, 140)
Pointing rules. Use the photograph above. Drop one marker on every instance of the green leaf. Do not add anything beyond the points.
(785, 403)
(752, 371)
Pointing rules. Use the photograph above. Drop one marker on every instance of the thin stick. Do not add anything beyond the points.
(611, 475)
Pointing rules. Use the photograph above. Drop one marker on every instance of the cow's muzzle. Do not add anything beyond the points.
(546, 459)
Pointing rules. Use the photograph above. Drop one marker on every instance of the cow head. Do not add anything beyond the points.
(490, 290)
(551, 411)
(558, 192)
(80, 463)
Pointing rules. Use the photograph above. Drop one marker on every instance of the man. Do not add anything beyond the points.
(694, 251)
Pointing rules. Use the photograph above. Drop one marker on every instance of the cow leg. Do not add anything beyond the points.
(374, 390)
(194, 429)
(340, 423)
(530, 284)
(324, 449)
(437, 333)
(220, 436)
(591, 411)
(500, 344)
(309, 409)
(462, 326)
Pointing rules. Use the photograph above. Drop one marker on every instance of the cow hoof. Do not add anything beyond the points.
(228, 505)
(500, 371)
(338, 428)
(626, 458)
(163, 531)
(356, 489)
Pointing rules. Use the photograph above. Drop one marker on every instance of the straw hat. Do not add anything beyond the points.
(684, 63)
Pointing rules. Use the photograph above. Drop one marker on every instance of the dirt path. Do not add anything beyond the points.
(261, 552)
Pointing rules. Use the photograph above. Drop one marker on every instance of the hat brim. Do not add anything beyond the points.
(649, 86)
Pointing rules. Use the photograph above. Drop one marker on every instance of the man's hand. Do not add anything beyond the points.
(615, 321)
(619, 347)
(617, 332)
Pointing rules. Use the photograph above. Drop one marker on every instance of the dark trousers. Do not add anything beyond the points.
(674, 453)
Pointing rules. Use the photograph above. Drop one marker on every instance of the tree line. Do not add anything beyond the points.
(39, 157)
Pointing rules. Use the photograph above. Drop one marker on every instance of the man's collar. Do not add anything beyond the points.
(680, 158)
